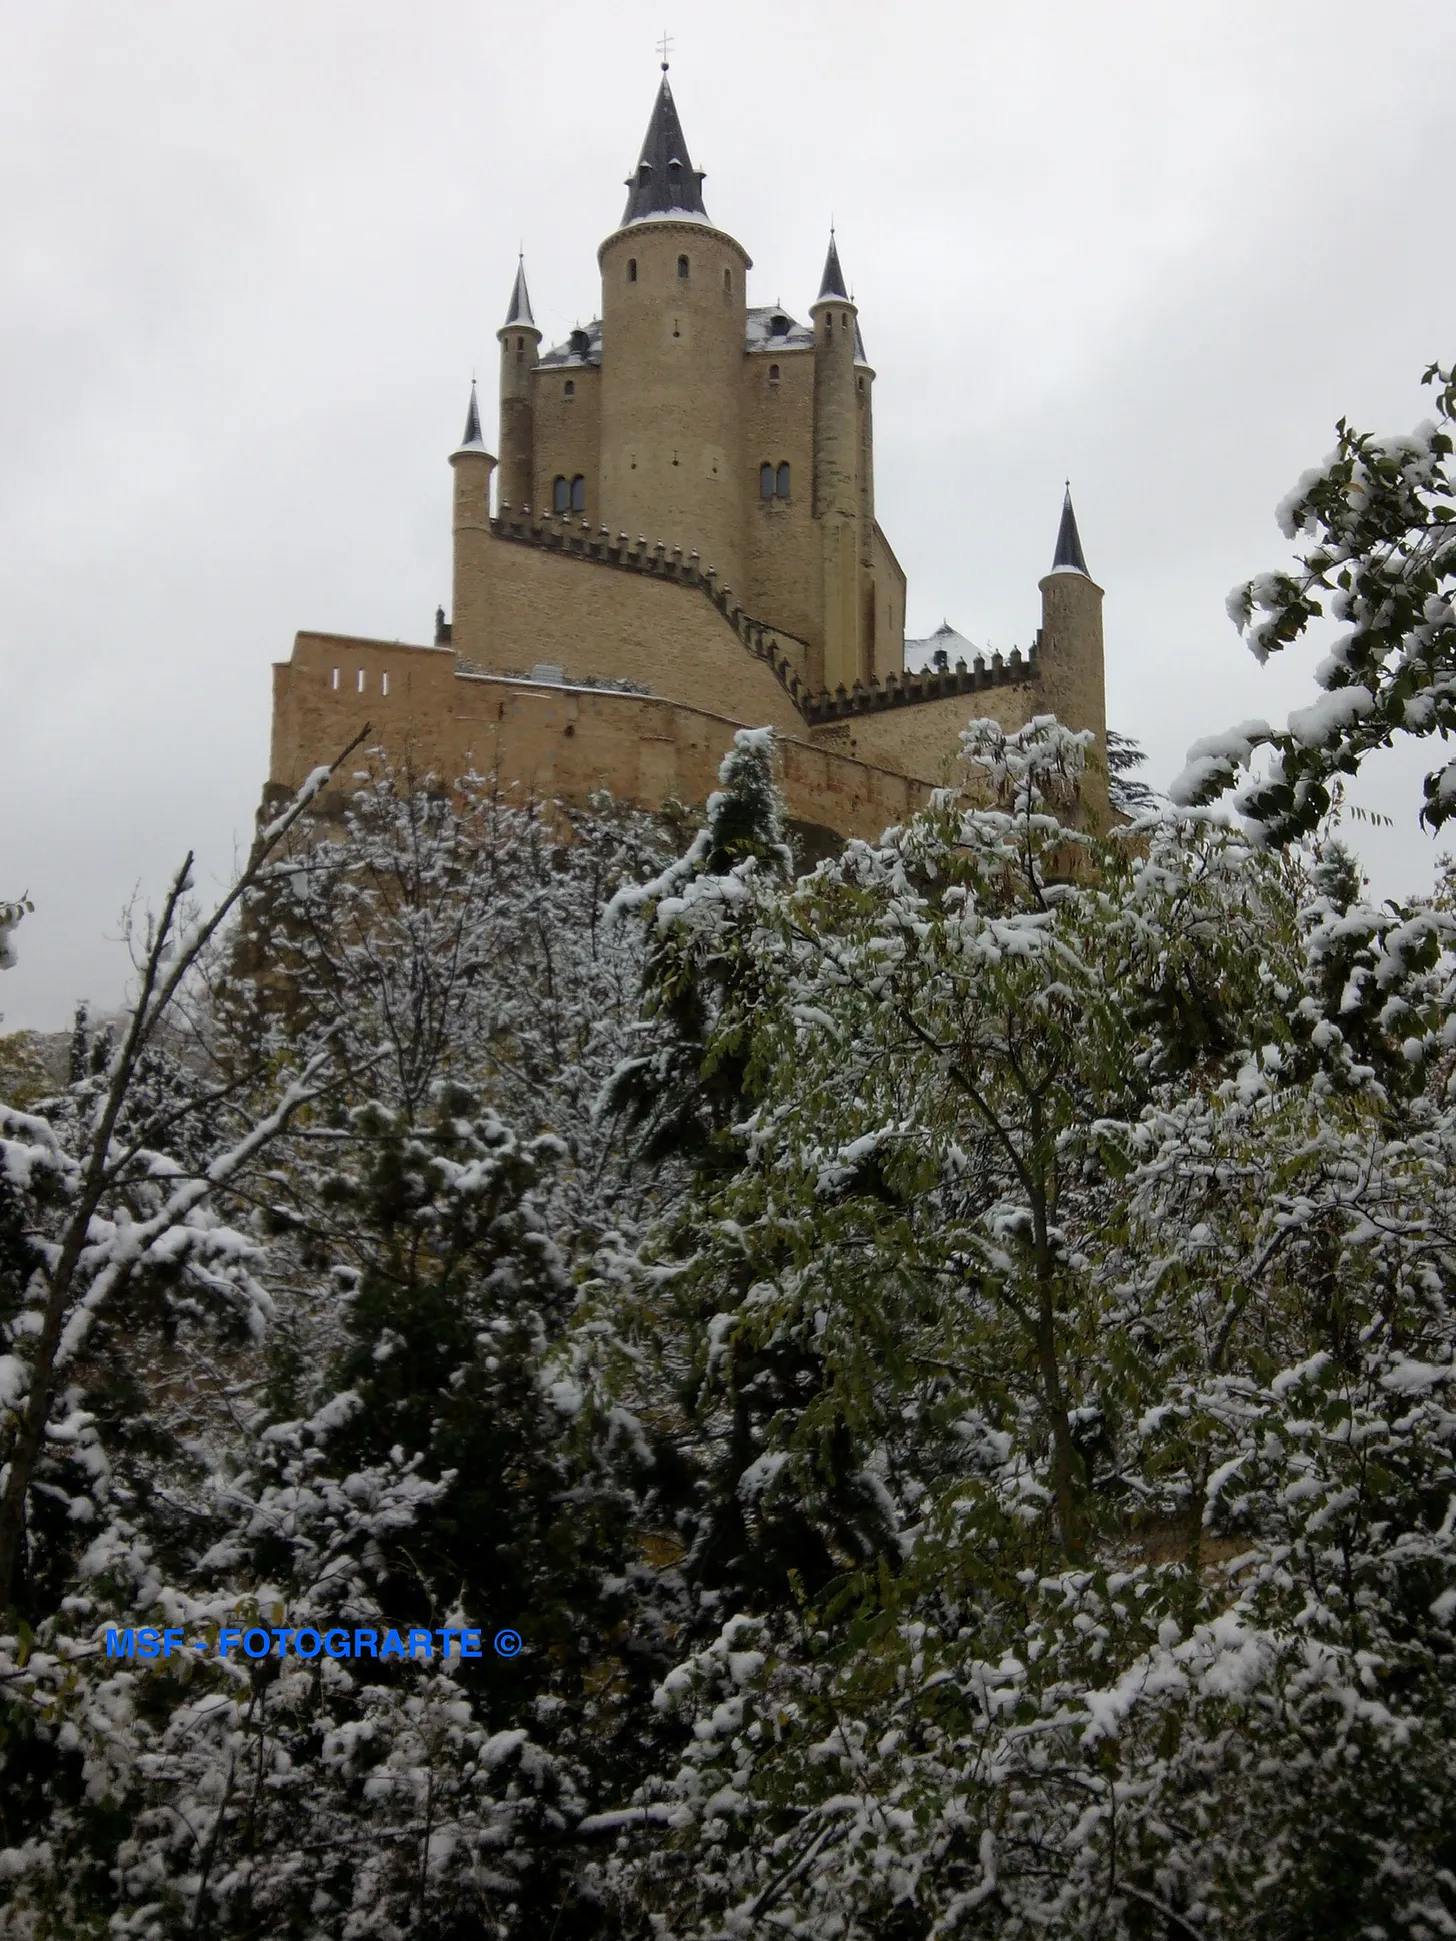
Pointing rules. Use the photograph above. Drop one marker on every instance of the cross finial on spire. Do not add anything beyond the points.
(664, 49)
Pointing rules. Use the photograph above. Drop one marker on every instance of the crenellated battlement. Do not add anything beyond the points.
(934, 684)
(578, 539)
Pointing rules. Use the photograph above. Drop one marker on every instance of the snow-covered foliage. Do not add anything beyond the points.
(948, 1361)
(1379, 523)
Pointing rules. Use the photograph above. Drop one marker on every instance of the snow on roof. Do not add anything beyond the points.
(670, 215)
(772, 328)
(920, 655)
(574, 352)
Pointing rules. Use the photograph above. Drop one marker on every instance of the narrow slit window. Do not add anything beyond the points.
(560, 495)
(728, 283)
(335, 681)
(682, 269)
(361, 680)
(631, 269)
(765, 481)
(578, 493)
(384, 684)
(781, 482)
(568, 390)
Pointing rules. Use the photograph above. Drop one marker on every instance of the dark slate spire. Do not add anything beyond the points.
(472, 439)
(520, 310)
(1069, 545)
(832, 284)
(666, 183)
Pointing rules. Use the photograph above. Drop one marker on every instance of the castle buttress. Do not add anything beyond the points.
(679, 538)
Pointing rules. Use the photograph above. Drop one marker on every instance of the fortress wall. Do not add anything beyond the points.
(518, 604)
(783, 570)
(402, 692)
(548, 740)
(924, 739)
(568, 432)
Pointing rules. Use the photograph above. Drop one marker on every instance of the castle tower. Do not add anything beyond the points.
(673, 322)
(1069, 648)
(520, 343)
(472, 465)
(838, 498)
(878, 656)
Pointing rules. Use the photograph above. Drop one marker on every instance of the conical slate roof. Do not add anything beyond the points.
(832, 282)
(1069, 545)
(472, 439)
(520, 310)
(666, 183)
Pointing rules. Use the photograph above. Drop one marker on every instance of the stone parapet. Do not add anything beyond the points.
(782, 652)
(910, 690)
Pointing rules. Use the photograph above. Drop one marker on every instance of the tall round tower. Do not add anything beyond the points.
(674, 320)
(838, 453)
(1070, 651)
(520, 343)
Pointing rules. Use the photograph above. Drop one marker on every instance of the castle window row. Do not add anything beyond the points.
(568, 495)
(359, 680)
(773, 480)
(684, 273)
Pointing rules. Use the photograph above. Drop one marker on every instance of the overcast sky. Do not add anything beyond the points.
(252, 254)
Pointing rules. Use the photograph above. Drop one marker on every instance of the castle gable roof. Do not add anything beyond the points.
(665, 182)
(582, 348)
(772, 328)
(923, 656)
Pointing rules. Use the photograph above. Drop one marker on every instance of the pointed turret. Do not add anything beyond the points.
(1069, 557)
(666, 183)
(520, 310)
(839, 475)
(832, 283)
(471, 439)
(1069, 653)
(520, 343)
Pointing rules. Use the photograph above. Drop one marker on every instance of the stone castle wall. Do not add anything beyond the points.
(546, 740)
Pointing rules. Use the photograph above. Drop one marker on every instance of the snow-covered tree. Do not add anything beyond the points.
(1380, 525)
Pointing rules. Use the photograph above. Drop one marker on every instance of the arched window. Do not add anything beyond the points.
(578, 494)
(560, 495)
(828, 324)
(568, 390)
(773, 373)
(520, 343)
(682, 269)
(781, 483)
(765, 481)
(631, 269)
(728, 282)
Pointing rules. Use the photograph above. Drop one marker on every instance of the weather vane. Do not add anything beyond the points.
(664, 48)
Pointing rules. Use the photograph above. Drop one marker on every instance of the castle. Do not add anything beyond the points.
(677, 539)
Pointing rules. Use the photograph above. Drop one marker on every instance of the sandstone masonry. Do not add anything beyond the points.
(679, 538)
